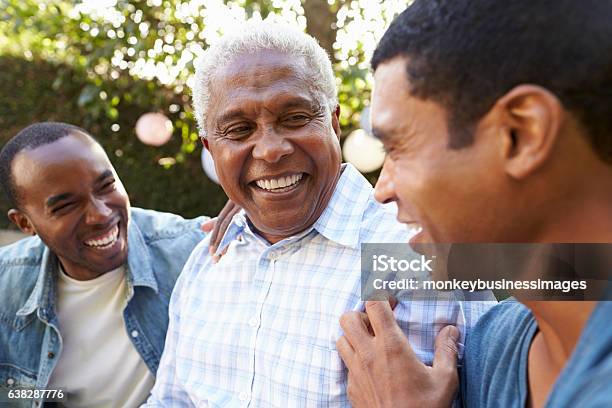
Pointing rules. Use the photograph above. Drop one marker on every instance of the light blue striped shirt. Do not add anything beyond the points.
(259, 328)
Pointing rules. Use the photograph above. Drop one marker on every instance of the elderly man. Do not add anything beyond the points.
(259, 328)
(499, 120)
(83, 303)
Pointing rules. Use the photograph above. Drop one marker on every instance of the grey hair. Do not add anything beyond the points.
(259, 36)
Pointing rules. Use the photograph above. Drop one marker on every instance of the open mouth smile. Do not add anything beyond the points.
(280, 184)
(106, 241)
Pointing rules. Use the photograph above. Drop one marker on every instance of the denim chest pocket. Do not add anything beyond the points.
(307, 375)
(12, 376)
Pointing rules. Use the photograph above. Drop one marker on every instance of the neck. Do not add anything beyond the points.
(78, 272)
(560, 330)
(579, 211)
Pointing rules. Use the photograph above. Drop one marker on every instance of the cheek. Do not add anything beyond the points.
(229, 164)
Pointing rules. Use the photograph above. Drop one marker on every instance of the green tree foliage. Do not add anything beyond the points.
(103, 67)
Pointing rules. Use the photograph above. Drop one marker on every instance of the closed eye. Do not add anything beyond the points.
(239, 131)
(108, 187)
(63, 207)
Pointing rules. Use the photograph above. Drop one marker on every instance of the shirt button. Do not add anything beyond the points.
(243, 396)
(273, 255)
(10, 381)
(134, 333)
(50, 354)
(253, 322)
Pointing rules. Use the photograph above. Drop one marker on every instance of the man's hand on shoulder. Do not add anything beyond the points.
(383, 369)
(219, 225)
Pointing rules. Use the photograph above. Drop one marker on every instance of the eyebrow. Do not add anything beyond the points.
(51, 201)
(294, 102)
(231, 115)
(105, 174)
(298, 102)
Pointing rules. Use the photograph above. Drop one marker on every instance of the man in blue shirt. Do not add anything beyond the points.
(83, 303)
(498, 120)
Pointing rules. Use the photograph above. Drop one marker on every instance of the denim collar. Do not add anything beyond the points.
(139, 273)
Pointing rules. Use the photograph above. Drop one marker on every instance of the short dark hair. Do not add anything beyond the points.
(33, 136)
(465, 54)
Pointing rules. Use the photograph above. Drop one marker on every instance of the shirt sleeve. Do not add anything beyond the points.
(168, 390)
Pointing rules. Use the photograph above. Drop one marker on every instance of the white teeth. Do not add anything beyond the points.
(414, 226)
(105, 241)
(279, 183)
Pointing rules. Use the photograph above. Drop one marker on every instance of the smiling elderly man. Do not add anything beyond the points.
(259, 328)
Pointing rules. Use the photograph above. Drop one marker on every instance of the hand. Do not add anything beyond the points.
(383, 369)
(218, 226)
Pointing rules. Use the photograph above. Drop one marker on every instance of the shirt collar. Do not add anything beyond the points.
(140, 273)
(43, 294)
(342, 218)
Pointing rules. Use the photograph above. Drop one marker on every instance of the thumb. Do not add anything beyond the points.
(445, 357)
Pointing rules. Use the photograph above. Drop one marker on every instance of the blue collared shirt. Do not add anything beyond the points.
(259, 328)
(30, 341)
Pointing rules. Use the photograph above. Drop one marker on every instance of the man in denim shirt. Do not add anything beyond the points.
(79, 311)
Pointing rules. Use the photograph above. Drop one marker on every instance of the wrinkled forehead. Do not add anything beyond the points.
(263, 77)
(255, 68)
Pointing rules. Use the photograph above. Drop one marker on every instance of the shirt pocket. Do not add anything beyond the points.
(11, 378)
(307, 375)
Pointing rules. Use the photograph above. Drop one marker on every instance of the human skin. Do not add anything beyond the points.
(513, 184)
(70, 196)
(264, 124)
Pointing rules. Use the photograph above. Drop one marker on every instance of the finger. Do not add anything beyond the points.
(366, 322)
(224, 219)
(383, 295)
(355, 330)
(381, 317)
(217, 257)
(346, 351)
(209, 225)
(445, 356)
(392, 302)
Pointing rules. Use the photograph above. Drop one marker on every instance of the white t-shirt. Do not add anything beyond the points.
(98, 365)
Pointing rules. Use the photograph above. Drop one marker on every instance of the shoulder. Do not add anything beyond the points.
(495, 356)
(380, 224)
(500, 323)
(155, 225)
(27, 251)
(19, 268)
(584, 388)
(198, 262)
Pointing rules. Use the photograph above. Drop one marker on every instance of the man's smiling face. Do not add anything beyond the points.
(454, 195)
(72, 198)
(275, 145)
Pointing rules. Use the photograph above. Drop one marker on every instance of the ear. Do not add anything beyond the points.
(204, 142)
(22, 221)
(336, 121)
(532, 119)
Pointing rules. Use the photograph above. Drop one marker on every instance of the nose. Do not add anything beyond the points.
(272, 147)
(384, 190)
(97, 212)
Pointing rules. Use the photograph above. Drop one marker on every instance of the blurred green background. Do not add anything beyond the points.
(101, 64)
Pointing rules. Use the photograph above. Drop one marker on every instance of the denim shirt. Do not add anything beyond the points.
(30, 342)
